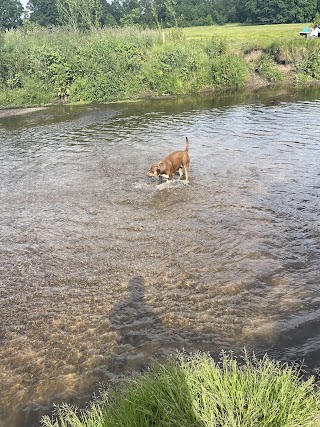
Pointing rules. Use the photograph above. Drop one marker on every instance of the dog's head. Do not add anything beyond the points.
(155, 170)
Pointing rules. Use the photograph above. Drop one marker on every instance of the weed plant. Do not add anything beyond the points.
(267, 69)
(196, 391)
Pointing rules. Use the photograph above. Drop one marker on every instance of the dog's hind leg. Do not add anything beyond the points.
(180, 172)
(186, 171)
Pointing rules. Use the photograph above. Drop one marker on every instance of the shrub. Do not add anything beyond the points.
(229, 71)
(311, 67)
(112, 64)
(215, 47)
(109, 66)
(33, 92)
(50, 65)
(176, 68)
(268, 69)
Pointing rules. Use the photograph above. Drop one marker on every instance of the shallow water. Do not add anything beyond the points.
(103, 270)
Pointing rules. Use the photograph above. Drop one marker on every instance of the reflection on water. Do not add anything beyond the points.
(103, 270)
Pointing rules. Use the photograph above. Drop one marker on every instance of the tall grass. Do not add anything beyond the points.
(196, 391)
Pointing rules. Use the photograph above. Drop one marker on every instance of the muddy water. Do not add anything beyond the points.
(103, 270)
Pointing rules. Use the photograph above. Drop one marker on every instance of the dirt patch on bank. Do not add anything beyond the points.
(255, 81)
(10, 112)
(253, 55)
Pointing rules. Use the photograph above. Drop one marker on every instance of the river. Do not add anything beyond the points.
(104, 270)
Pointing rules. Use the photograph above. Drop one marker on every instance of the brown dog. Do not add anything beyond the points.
(171, 164)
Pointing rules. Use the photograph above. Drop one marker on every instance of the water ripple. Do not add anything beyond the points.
(103, 270)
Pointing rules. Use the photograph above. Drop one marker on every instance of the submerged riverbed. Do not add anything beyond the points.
(103, 269)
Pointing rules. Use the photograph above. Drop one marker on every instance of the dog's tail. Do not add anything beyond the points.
(187, 144)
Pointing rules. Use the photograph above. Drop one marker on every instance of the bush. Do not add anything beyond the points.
(196, 391)
(311, 67)
(32, 93)
(51, 66)
(229, 71)
(109, 67)
(175, 68)
(268, 69)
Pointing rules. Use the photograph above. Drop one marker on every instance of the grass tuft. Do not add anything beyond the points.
(196, 391)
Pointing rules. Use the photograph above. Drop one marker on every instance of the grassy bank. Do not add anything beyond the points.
(197, 392)
(39, 66)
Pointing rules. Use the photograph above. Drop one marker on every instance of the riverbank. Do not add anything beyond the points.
(42, 67)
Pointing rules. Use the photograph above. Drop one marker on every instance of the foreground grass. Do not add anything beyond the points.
(198, 392)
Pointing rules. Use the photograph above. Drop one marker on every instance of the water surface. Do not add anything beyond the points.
(103, 270)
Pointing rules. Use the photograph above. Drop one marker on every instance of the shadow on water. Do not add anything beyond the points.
(139, 331)
(137, 328)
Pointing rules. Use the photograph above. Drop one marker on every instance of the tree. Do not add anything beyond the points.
(43, 12)
(279, 11)
(131, 12)
(107, 19)
(10, 14)
(116, 10)
(304, 11)
(80, 14)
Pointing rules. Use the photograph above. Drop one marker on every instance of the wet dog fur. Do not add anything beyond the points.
(176, 161)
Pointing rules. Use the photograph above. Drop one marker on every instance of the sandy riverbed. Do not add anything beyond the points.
(9, 112)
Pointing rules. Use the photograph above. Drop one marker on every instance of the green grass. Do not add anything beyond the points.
(239, 33)
(196, 391)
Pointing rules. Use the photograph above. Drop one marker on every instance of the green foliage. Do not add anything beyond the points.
(268, 69)
(26, 95)
(114, 64)
(14, 81)
(279, 11)
(80, 14)
(167, 70)
(110, 66)
(311, 67)
(289, 51)
(197, 391)
(85, 14)
(216, 47)
(229, 71)
(316, 20)
(303, 56)
(43, 12)
(10, 14)
(51, 67)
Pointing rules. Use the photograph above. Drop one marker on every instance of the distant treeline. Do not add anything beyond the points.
(84, 14)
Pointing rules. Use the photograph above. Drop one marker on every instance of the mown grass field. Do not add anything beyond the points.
(242, 34)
